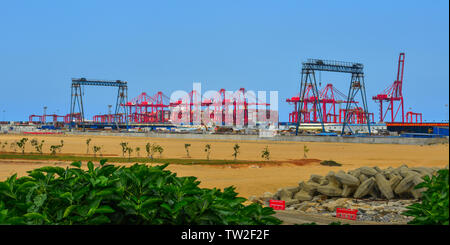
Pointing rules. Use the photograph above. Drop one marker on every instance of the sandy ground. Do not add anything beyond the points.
(249, 179)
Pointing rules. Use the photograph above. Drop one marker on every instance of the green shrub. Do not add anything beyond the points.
(433, 210)
(108, 194)
(330, 163)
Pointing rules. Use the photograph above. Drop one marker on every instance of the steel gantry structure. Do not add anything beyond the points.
(77, 98)
(308, 82)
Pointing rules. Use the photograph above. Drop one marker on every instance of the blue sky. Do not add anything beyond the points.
(259, 45)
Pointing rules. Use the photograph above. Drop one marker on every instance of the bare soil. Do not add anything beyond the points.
(287, 169)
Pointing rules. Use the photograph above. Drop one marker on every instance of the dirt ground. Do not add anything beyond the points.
(248, 179)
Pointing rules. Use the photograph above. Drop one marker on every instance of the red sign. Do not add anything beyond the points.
(346, 213)
(277, 204)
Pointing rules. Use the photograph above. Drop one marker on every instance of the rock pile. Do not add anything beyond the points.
(359, 183)
(379, 195)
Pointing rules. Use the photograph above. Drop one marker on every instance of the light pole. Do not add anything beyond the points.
(109, 113)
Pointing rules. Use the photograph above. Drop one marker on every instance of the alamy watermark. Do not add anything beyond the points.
(237, 109)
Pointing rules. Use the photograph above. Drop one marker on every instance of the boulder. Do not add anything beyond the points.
(332, 181)
(330, 190)
(285, 194)
(316, 178)
(417, 193)
(364, 188)
(302, 196)
(338, 203)
(368, 171)
(309, 187)
(405, 184)
(347, 179)
(354, 173)
(405, 172)
(394, 180)
(324, 181)
(266, 196)
(384, 186)
(291, 202)
(362, 178)
(348, 190)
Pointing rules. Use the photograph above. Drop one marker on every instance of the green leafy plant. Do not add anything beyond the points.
(330, 163)
(21, 144)
(186, 147)
(265, 153)
(108, 194)
(433, 209)
(305, 151)
(208, 150)
(236, 151)
(88, 141)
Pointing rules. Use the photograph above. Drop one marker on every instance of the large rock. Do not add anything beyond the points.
(316, 178)
(330, 190)
(362, 178)
(405, 185)
(364, 188)
(302, 196)
(384, 186)
(332, 180)
(347, 179)
(417, 193)
(309, 187)
(348, 190)
(368, 171)
(266, 196)
(338, 203)
(291, 202)
(285, 194)
(394, 180)
(377, 169)
(406, 171)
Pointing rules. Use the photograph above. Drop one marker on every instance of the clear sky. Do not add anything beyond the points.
(259, 45)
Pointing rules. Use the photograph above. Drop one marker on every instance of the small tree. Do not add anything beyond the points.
(129, 150)
(13, 146)
(186, 147)
(265, 153)
(207, 150)
(148, 148)
(88, 141)
(236, 151)
(60, 146)
(4, 145)
(53, 149)
(96, 149)
(305, 151)
(160, 150)
(138, 149)
(38, 146)
(124, 148)
(21, 144)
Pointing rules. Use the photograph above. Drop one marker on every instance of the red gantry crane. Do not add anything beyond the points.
(393, 96)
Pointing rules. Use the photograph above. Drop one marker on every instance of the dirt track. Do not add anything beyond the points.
(249, 179)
